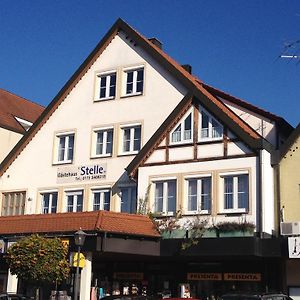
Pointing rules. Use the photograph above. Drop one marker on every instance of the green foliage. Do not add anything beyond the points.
(39, 259)
(234, 226)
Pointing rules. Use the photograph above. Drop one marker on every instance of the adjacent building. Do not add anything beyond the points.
(132, 132)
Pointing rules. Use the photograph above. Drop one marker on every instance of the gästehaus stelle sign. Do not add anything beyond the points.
(81, 173)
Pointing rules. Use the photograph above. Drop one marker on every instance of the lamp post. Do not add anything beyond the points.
(79, 238)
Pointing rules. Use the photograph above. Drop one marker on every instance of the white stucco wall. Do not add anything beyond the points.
(33, 170)
(8, 139)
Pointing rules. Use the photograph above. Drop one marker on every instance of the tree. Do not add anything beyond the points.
(39, 260)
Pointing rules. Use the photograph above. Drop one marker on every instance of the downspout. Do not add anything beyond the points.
(260, 213)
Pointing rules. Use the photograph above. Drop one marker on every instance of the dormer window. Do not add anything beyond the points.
(183, 131)
(210, 128)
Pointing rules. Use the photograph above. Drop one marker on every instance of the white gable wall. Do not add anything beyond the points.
(33, 169)
(8, 140)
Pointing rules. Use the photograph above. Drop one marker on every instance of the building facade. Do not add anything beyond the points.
(133, 131)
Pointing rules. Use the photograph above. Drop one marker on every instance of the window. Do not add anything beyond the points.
(106, 86)
(199, 194)
(236, 192)
(13, 204)
(131, 136)
(165, 197)
(183, 131)
(134, 82)
(210, 128)
(103, 142)
(128, 199)
(65, 148)
(49, 203)
(74, 201)
(101, 199)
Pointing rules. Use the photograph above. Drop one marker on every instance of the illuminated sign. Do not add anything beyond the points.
(204, 276)
(81, 173)
(242, 276)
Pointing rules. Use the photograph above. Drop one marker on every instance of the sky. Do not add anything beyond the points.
(233, 45)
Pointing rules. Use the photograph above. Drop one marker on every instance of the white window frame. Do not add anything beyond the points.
(199, 179)
(235, 208)
(132, 128)
(101, 191)
(74, 193)
(182, 138)
(210, 127)
(131, 189)
(42, 193)
(133, 70)
(105, 141)
(58, 137)
(108, 76)
(165, 182)
(10, 208)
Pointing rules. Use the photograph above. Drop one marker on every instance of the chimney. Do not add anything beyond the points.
(188, 68)
(156, 42)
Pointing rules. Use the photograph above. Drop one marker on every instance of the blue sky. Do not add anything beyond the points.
(231, 44)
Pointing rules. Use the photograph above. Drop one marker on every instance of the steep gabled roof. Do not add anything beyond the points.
(196, 87)
(12, 107)
(98, 221)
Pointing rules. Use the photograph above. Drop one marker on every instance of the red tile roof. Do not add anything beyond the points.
(12, 106)
(101, 221)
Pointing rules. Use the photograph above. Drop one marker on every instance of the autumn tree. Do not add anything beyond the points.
(39, 260)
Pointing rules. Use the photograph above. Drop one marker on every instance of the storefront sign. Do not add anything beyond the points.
(294, 247)
(81, 260)
(204, 276)
(129, 275)
(81, 173)
(242, 276)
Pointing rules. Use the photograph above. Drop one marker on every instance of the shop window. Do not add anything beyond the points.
(74, 201)
(183, 130)
(103, 142)
(199, 195)
(134, 81)
(128, 199)
(210, 128)
(13, 204)
(131, 139)
(165, 197)
(101, 199)
(49, 202)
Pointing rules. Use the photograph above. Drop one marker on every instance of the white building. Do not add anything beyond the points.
(185, 145)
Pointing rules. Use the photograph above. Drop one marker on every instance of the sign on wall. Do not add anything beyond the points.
(242, 276)
(294, 247)
(81, 173)
(204, 276)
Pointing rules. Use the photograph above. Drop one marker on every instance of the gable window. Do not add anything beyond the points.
(134, 81)
(165, 197)
(128, 199)
(74, 201)
(49, 202)
(210, 128)
(103, 142)
(13, 204)
(199, 195)
(101, 199)
(183, 131)
(65, 148)
(106, 86)
(236, 193)
(131, 139)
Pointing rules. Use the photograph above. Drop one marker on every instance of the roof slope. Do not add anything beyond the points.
(100, 221)
(12, 106)
(290, 142)
(194, 85)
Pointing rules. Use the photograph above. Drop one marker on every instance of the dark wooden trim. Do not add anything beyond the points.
(184, 161)
(167, 152)
(195, 130)
(225, 141)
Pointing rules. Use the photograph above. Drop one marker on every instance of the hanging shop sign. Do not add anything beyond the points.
(294, 247)
(75, 260)
(242, 276)
(129, 275)
(81, 173)
(204, 276)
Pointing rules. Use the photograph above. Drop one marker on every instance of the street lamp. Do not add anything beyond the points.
(79, 238)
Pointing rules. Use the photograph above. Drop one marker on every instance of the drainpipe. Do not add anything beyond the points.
(260, 207)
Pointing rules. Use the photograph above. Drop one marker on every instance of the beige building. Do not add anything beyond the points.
(16, 116)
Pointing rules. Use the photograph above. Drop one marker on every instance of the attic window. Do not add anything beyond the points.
(183, 131)
(210, 128)
(133, 83)
(25, 124)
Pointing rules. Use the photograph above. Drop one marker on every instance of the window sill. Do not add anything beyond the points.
(128, 153)
(101, 156)
(181, 143)
(57, 163)
(207, 140)
(131, 95)
(104, 99)
(233, 212)
(195, 213)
